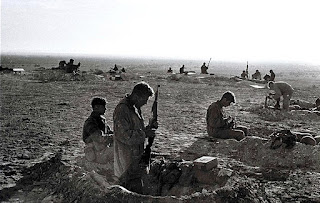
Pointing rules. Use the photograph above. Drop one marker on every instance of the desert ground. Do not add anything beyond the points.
(43, 111)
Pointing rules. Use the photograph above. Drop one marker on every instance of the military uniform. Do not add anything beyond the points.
(285, 90)
(129, 138)
(98, 150)
(217, 125)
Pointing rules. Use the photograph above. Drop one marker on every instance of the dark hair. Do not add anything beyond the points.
(270, 83)
(142, 88)
(229, 96)
(98, 101)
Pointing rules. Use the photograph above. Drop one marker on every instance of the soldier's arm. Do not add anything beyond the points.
(214, 118)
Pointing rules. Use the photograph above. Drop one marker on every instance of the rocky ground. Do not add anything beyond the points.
(42, 114)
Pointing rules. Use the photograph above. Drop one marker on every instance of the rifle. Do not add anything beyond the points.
(209, 63)
(247, 70)
(153, 124)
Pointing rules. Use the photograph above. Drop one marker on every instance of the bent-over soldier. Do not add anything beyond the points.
(218, 125)
(281, 89)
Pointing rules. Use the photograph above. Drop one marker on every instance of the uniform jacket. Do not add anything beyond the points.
(129, 136)
(93, 123)
(215, 118)
(282, 88)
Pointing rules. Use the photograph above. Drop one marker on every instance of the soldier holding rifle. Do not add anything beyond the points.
(129, 137)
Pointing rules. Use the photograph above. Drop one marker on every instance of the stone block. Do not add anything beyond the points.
(206, 163)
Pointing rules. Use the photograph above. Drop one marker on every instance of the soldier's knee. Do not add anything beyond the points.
(239, 135)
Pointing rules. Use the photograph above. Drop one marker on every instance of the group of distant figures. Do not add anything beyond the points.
(257, 76)
(204, 69)
(68, 67)
(116, 69)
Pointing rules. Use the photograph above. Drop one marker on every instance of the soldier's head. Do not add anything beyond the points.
(98, 105)
(271, 71)
(228, 98)
(271, 85)
(141, 93)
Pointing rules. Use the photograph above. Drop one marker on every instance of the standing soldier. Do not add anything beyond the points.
(204, 69)
(129, 137)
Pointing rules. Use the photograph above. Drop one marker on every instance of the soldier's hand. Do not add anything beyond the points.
(153, 123)
(150, 132)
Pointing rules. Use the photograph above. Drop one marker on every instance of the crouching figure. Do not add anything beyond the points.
(218, 125)
(98, 139)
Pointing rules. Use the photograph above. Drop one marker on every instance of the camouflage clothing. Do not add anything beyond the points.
(129, 138)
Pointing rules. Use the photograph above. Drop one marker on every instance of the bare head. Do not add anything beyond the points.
(141, 93)
(228, 98)
(271, 85)
(98, 105)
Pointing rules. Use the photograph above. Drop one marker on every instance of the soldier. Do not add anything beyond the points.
(182, 69)
(115, 67)
(281, 89)
(98, 137)
(256, 75)
(244, 75)
(272, 75)
(204, 69)
(220, 127)
(129, 137)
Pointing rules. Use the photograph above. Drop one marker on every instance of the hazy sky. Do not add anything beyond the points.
(237, 30)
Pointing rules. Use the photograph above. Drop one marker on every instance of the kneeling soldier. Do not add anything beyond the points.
(98, 137)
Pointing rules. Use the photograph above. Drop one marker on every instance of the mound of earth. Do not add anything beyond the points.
(247, 171)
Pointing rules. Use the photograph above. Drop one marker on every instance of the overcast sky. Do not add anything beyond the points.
(236, 30)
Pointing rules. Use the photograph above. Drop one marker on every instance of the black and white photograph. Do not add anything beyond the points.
(160, 101)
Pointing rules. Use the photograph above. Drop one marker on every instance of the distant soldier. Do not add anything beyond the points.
(244, 75)
(272, 75)
(169, 70)
(182, 69)
(256, 75)
(266, 78)
(204, 69)
(218, 125)
(281, 89)
(115, 67)
(62, 64)
(70, 68)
